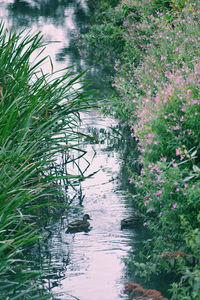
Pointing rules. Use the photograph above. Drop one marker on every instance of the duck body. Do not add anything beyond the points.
(79, 225)
(132, 221)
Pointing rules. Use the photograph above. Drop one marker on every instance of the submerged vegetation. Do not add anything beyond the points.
(156, 64)
(39, 119)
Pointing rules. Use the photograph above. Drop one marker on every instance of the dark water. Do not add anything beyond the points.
(89, 266)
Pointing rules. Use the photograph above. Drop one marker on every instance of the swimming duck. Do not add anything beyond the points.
(79, 225)
(131, 221)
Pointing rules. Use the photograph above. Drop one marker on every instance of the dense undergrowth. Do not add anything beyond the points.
(155, 49)
(39, 117)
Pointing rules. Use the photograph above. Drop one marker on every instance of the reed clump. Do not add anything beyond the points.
(39, 117)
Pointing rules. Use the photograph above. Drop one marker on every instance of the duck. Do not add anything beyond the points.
(79, 225)
(131, 221)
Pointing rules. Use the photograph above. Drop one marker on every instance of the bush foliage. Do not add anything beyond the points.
(157, 80)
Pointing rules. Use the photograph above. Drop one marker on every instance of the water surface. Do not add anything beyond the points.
(95, 268)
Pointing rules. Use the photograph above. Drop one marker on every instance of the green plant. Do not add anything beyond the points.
(156, 79)
(39, 119)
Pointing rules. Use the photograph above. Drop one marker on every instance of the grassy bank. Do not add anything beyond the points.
(39, 119)
(157, 71)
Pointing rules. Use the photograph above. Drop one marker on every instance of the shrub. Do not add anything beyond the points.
(156, 79)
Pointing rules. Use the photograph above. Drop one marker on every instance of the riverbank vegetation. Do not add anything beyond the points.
(154, 49)
(39, 121)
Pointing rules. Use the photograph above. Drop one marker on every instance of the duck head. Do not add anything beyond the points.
(86, 217)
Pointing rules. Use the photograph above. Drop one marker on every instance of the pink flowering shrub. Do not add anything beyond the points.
(157, 81)
(172, 118)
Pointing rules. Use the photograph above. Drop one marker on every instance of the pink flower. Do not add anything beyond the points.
(175, 183)
(195, 102)
(163, 159)
(175, 165)
(178, 152)
(155, 142)
(175, 127)
(157, 193)
(174, 206)
(130, 180)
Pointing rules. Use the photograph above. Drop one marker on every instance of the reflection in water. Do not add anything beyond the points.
(58, 21)
(87, 265)
(61, 22)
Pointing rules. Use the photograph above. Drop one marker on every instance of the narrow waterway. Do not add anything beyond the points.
(95, 268)
(89, 265)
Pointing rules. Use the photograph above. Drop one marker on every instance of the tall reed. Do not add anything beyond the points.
(39, 118)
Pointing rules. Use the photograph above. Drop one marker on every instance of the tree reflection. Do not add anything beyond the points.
(33, 10)
(63, 20)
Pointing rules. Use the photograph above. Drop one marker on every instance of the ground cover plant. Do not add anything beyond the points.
(39, 119)
(157, 80)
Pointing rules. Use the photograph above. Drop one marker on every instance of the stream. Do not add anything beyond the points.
(95, 268)
(90, 266)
